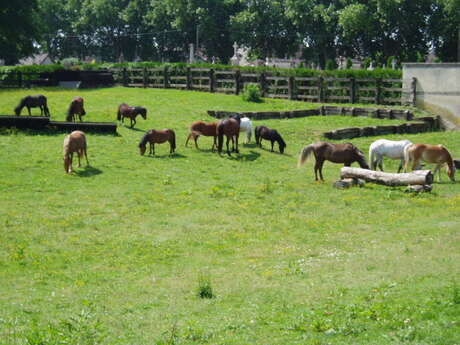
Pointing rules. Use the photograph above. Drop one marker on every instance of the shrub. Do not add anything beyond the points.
(204, 287)
(252, 93)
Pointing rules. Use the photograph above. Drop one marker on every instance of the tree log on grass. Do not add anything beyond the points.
(417, 177)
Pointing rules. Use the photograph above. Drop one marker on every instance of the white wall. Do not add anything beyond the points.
(438, 87)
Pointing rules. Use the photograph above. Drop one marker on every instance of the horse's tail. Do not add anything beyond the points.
(69, 117)
(220, 136)
(173, 140)
(256, 134)
(372, 157)
(407, 157)
(305, 153)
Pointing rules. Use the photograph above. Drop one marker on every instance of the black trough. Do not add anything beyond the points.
(104, 127)
(22, 122)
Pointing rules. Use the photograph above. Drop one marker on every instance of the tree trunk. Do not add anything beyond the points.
(416, 177)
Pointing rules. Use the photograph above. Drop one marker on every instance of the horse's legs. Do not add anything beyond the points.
(272, 142)
(188, 138)
(318, 166)
(70, 163)
(214, 144)
(41, 110)
(381, 163)
(438, 169)
(401, 164)
(28, 108)
(233, 143)
(228, 149)
(236, 138)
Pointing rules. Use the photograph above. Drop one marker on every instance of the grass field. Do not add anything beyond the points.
(118, 253)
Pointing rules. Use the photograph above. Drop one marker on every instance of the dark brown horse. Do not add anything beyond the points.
(231, 129)
(266, 133)
(33, 102)
(336, 153)
(125, 110)
(76, 108)
(157, 137)
(207, 129)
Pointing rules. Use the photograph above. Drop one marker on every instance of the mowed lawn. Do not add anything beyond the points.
(115, 253)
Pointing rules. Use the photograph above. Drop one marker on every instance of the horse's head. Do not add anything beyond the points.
(143, 144)
(66, 163)
(282, 145)
(142, 148)
(142, 111)
(451, 173)
(17, 110)
(237, 117)
(361, 159)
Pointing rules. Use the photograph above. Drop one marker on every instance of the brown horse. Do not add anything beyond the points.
(33, 102)
(157, 137)
(263, 132)
(337, 153)
(436, 154)
(231, 129)
(74, 142)
(208, 129)
(76, 108)
(125, 110)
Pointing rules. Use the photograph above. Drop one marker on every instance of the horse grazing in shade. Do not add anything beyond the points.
(336, 153)
(33, 102)
(74, 142)
(436, 154)
(76, 108)
(157, 137)
(125, 110)
(231, 129)
(387, 148)
(263, 132)
(207, 129)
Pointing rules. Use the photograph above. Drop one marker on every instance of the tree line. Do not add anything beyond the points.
(162, 30)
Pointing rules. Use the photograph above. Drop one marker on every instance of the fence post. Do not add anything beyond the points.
(189, 78)
(125, 77)
(262, 83)
(211, 80)
(165, 77)
(320, 90)
(291, 87)
(352, 90)
(144, 77)
(378, 91)
(237, 82)
(413, 91)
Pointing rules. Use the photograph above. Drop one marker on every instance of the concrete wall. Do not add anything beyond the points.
(438, 87)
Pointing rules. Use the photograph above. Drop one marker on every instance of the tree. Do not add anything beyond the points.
(18, 29)
(445, 29)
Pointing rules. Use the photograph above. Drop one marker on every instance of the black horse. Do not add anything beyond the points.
(33, 102)
(263, 132)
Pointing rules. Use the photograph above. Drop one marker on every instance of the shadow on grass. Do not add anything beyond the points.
(88, 171)
(244, 157)
(134, 129)
(174, 155)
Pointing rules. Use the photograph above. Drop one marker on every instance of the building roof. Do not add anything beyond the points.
(37, 59)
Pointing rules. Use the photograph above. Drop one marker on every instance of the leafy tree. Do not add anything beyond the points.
(445, 29)
(18, 29)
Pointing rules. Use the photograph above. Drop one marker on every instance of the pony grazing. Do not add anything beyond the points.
(33, 102)
(262, 132)
(231, 129)
(76, 108)
(125, 110)
(74, 142)
(207, 129)
(436, 154)
(387, 148)
(157, 137)
(336, 153)
(246, 126)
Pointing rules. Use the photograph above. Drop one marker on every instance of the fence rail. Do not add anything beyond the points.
(311, 89)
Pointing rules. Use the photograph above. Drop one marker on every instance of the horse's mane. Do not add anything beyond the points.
(279, 138)
(140, 110)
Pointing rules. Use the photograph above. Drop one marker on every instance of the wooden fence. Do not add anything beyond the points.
(311, 89)
(232, 81)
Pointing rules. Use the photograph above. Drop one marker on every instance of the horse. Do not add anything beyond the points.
(231, 129)
(208, 129)
(74, 142)
(76, 108)
(389, 148)
(336, 153)
(125, 110)
(436, 154)
(33, 102)
(157, 137)
(263, 132)
(246, 126)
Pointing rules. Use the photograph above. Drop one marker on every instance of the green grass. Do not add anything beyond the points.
(117, 253)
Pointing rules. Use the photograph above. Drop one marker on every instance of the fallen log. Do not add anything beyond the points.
(419, 188)
(348, 182)
(423, 177)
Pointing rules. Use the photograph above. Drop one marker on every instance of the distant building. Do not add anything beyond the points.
(2, 62)
(37, 59)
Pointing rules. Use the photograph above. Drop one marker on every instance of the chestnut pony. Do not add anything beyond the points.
(125, 110)
(231, 129)
(336, 153)
(33, 102)
(74, 142)
(207, 129)
(436, 154)
(76, 108)
(157, 137)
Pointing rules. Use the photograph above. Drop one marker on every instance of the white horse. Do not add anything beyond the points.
(246, 126)
(389, 148)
